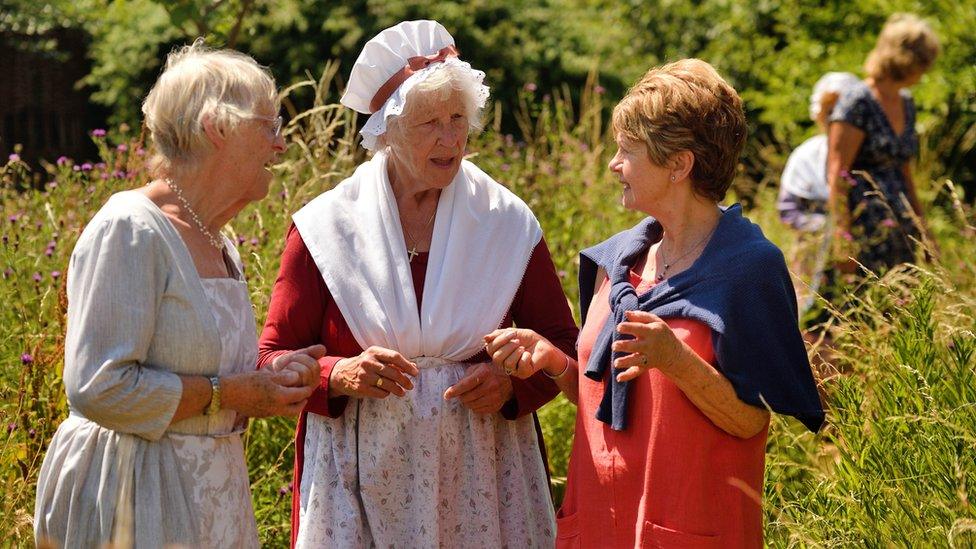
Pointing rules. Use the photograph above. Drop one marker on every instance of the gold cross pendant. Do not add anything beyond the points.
(412, 253)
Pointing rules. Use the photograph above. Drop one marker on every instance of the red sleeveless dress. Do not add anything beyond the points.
(672, 478)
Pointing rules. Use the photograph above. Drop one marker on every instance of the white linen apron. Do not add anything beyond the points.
(419, 471)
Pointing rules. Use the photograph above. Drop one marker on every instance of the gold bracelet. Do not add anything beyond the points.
(560, 374)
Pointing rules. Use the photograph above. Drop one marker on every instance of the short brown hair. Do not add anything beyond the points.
(687, 106)
(906, 45)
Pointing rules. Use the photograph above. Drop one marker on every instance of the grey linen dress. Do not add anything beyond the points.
(139, 315)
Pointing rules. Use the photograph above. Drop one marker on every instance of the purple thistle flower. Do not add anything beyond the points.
(120, 174)
(55, 274)
(254, 242)
(283, 490)
(8, 272)
(63, 160)
(530, 87)
(122, 147)
(26, 359)
(241, 240)
(49, 252)
(86, 167)
(37, 277)
(14, 157)
(100, 166)
(52, 185)
(31, 434)
(14, 218)
(505, 167)
(98, 132)
(600, 90)
(140, 151)
(75, 168)
(888, 223)
(11, 427)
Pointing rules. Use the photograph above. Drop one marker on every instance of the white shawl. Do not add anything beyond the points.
(482, 241)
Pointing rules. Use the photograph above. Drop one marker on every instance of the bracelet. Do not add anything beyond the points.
(560, 374)
(214, 405)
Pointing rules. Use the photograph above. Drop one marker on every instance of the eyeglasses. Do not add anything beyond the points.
(276, 122)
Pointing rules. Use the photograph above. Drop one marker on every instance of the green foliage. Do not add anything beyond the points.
(895, 465)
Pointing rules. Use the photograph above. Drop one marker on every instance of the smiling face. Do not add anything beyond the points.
(645, 184)
(428, 142)
(250, 150)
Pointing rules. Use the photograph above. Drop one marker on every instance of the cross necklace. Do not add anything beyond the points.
(412, 251)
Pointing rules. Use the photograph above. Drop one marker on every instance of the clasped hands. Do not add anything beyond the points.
(281, 389)
(378, 372)
(653, 344)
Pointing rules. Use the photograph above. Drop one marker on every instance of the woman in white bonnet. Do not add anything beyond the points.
(414, 437)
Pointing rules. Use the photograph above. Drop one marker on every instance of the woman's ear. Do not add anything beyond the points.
(682, 163)
(214, 133)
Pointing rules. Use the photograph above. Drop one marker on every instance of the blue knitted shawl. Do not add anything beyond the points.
(739, 287)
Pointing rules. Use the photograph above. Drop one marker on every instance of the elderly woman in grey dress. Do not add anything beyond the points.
(161, 351)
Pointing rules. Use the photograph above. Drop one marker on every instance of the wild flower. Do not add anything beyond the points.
(86, 167)
(122, 147)
(888, 222)
(26, 359)
(55, 274)
(63, 161)
(504, 167)
(98, 132)
(14, 157)
(530, 87)
(599, 90)
(37, 277)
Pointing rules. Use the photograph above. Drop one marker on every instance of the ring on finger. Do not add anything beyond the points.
(379, 382)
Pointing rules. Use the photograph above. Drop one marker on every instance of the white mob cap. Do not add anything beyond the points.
(392, 63)
(832, 82)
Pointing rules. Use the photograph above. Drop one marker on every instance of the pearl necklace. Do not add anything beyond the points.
(214, 241)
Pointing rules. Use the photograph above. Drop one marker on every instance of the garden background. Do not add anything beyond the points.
(896, 464)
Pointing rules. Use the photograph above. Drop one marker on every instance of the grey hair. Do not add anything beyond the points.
(445, 80)
(200, 83)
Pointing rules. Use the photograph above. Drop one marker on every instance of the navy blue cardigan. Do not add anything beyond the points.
(741, 289)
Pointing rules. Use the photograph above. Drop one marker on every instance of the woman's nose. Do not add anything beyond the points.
(279, 143)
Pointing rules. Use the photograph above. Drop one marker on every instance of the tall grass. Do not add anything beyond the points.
(894, 467)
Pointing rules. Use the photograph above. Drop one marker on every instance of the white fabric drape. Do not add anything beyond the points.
(418, 471)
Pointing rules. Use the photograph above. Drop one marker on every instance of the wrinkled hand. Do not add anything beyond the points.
(522, 353)
(300, 368)
(654, 345)
(376, 373)
(484, 389)
(265, 393)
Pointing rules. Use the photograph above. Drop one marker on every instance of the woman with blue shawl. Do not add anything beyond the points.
(689, 337)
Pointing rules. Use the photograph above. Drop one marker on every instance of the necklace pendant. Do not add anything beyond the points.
(412, 253)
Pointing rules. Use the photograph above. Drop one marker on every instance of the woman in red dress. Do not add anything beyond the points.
(689, 339)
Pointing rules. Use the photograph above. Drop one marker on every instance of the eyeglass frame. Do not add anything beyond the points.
(277, 122)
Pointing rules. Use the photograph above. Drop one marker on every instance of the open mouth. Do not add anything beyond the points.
(444, 162)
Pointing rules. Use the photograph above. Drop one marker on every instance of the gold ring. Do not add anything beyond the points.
(379, 382)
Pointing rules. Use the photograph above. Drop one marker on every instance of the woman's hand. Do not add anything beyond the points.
(522, 353)
(484, 389)
(654, 345)
(376, 373)
(300, 368)
(264, 393)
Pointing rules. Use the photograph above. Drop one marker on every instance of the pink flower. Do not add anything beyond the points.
(888, 223)
(122, 147)
(530, 87)
(599, 90)
(98, 132)
(14, 157)
(63, 160)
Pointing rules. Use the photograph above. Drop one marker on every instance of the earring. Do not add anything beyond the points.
(672, 178)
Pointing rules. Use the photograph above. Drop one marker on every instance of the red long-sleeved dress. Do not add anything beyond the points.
(302, 313)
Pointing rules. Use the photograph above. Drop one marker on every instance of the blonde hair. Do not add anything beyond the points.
(687, 106)
(906, 45)
(439, 86)
(198, 83)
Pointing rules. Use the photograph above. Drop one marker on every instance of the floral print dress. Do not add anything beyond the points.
(881, 216)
